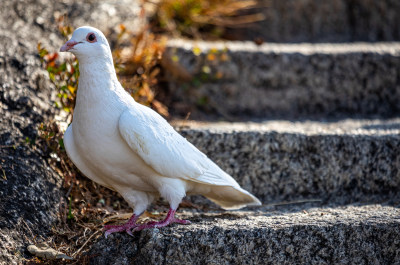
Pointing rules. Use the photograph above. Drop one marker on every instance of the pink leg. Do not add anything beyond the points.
(170, 219)
(127, 227)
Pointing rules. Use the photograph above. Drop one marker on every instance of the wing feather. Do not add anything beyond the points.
(166, 151)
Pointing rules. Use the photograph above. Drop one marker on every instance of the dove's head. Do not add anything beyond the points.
(87, 43)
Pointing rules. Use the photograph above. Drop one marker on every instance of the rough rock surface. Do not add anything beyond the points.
(286, 80)
(30, 193)
(29, 189)
(343, 162)
(353, 234)
(324, 21)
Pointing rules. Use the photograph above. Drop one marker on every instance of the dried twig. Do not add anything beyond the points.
(84, 244)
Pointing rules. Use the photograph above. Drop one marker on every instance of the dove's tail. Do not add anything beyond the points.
(231, 198)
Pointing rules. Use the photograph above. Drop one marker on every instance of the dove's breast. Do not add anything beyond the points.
(95, 146)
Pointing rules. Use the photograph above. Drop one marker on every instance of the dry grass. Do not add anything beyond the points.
(138, 66)
(203, 18)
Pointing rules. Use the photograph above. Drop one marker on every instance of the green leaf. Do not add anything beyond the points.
(52, 77)
(196, 82)
(62, 67)
(202, 101)
(43, 52)
(61, 143)
(51, 69)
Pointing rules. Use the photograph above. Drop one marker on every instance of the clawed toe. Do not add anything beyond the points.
(127, 227)
(109, 229)
(181, 221)
(131, 225)
(161, 224)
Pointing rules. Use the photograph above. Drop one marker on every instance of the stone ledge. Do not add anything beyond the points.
(372, 127)
(324, 21)
(236, 80)
(345, 161)
(328, 235)
(392, 48)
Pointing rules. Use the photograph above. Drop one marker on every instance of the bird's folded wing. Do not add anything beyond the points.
(166, 151)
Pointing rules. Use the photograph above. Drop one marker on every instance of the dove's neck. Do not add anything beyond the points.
(97, 75)
(98, 85)
(97, 67)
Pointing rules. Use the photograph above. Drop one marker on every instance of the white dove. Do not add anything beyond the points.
(131, 149)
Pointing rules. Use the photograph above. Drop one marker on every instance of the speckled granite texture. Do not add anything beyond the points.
(236, 79)
(297, 235)
(344, 161)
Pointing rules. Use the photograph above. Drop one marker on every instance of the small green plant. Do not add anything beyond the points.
(64, 75)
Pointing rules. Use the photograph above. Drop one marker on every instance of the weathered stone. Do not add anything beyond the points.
(105, 15)
(324, 21)
(29, 189)
(285, 235)
(239, 79)
(343, 162)
(30, 194)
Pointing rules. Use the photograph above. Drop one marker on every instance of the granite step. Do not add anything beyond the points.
(239, 80)
(343, 161)
(323, 21)
(352, 234)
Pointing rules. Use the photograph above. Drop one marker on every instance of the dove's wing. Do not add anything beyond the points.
(166, 151)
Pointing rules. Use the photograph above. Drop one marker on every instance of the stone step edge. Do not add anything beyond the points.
(199, 47)
(370, 127)
(304, 214)
(342, 168)
(311, 236)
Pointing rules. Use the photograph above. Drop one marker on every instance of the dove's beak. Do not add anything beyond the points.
(68, 45)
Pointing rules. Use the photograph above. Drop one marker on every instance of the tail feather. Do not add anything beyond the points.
(231, 198)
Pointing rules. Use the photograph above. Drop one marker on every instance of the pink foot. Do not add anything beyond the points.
(127, 227)
(170, 219)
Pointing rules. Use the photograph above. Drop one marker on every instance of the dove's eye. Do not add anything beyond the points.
(91, 37)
